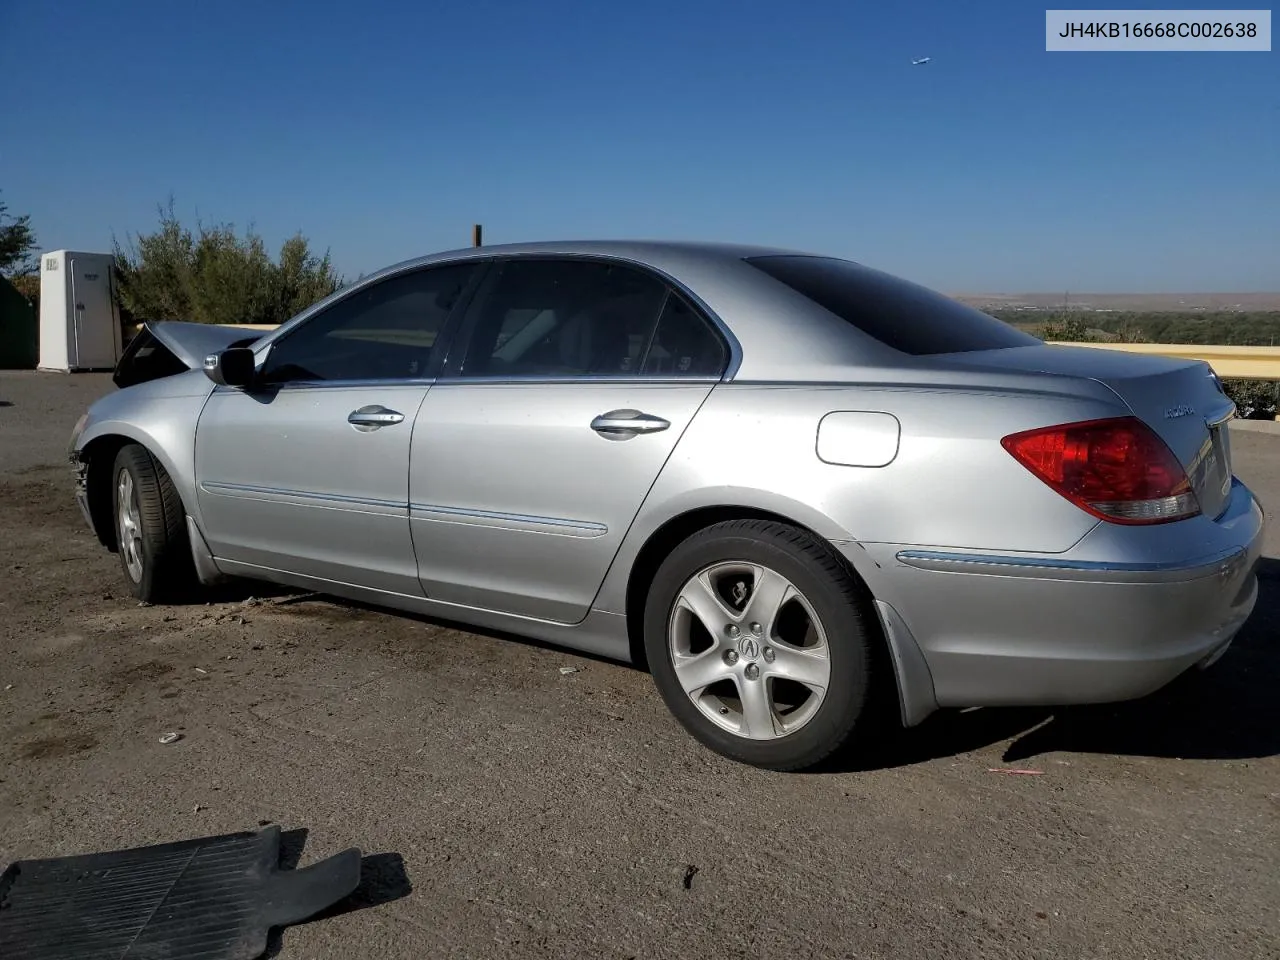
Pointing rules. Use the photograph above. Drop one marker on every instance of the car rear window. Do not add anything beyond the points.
(900, 314)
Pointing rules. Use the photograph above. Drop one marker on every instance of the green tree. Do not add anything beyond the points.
(1258, 328)
(301, 278)
(17, 244)
(1254, 399)
(1067, 328)
(213, 275)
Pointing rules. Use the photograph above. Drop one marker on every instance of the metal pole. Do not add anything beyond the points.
(476, 231)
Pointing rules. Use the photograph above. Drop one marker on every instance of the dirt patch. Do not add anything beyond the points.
(49, 748)
(43, 470)
(151, 670)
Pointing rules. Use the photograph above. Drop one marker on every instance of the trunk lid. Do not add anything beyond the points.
(1180, 399)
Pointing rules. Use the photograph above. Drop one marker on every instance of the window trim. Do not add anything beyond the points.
(480, 267)
(449, 374)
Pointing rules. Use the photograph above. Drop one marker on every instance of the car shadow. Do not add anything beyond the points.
(447, 624)
(382, 879)
(1227, 712)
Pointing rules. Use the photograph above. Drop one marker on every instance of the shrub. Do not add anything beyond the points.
(215, 276)
(1254, 399)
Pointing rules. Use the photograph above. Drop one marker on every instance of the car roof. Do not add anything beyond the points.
(774, 333)
(745, 302)
(641, 250)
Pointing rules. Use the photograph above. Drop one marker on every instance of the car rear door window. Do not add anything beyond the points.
(684, 345)
(385, 331)
(902, 315)
(571, 318)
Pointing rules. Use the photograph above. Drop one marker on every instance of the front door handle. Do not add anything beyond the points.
(374, 417)
(628, 422)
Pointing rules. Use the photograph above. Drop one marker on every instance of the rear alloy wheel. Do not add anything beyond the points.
(151, 532)
(760, 643)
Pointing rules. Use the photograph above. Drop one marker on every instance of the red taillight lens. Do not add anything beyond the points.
(1116, 469)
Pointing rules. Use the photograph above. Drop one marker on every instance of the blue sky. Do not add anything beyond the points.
(383, 130)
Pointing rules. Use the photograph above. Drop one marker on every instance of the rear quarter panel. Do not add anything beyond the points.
(950, 484)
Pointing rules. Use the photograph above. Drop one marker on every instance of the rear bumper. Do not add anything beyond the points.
(1076, 628)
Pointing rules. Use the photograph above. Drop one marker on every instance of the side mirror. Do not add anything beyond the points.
(233, 367)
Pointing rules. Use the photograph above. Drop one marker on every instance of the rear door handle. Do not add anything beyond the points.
(628, 422)
(374, 417)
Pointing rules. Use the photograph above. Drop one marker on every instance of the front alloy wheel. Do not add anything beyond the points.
(151, 531)
(128, 525)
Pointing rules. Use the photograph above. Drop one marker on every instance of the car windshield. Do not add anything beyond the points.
(902, 315)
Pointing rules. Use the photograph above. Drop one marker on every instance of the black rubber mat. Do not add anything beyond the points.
(215, 898)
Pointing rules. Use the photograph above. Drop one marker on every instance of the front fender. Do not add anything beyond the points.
(162, 421)
(93, 437)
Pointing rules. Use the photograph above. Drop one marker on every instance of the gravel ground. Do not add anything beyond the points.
(506, 809)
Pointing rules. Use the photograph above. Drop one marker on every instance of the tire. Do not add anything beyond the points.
(150, 526)
(838, 621)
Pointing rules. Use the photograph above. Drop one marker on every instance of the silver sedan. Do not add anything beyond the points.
(788, 484)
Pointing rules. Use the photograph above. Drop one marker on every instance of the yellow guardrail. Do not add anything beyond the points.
(1230, 363)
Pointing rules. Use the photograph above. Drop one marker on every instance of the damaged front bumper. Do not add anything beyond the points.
(80, 470)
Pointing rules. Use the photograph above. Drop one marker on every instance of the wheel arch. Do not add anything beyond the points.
(659, 544)
(98, 453)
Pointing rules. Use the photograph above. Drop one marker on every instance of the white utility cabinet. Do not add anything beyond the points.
(79, 319)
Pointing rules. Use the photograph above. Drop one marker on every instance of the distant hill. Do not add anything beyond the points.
(1125, 302)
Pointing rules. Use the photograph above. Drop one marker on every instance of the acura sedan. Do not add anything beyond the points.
(785, 483)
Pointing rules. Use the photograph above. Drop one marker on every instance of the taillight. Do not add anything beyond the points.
(1116, 469)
